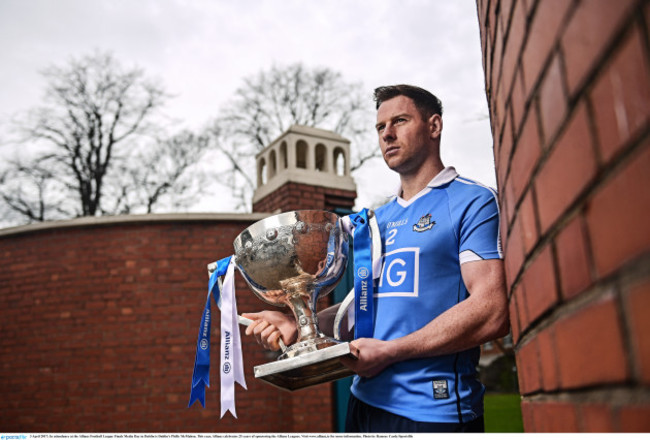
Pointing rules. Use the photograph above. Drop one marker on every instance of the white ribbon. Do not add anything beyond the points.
(232, 366)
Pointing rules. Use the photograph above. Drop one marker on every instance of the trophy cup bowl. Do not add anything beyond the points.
(292, 259)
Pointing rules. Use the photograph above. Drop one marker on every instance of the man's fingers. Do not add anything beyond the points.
(274, 339)
(253, 316)
(259, 328)
(355, 352)
(264, 325)
(266, 334)
(265, 337)
(252, 327)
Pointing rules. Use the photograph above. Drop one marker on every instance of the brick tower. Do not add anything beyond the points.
(305, 168)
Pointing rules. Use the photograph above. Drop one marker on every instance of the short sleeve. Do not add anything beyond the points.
(478, 224)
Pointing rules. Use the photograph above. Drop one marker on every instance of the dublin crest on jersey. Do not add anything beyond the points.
(424, 224)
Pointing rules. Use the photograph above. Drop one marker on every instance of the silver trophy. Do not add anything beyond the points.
(291, 260)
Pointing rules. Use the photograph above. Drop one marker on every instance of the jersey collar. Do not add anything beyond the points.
(445, 176)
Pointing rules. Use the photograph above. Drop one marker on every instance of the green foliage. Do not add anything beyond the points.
(503, 413)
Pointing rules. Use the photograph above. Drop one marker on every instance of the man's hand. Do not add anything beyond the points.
(373, 356)
(269, 326)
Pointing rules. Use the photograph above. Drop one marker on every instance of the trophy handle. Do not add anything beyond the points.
(375, 236)
(341, 312)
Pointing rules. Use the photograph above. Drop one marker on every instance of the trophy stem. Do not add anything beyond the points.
(306, 320)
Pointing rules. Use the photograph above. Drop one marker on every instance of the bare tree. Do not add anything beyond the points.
(92, 122)
(29, 191)
(270, 102)
(168, 174)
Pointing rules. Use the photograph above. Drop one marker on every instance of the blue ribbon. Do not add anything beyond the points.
(201, 376)
(363, 282)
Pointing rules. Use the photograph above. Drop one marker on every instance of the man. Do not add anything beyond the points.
(441, 293)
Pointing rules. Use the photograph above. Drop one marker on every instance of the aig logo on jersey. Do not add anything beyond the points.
(400, 273)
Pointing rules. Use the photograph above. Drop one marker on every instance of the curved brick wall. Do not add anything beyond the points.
(99, 320)
(568, 85)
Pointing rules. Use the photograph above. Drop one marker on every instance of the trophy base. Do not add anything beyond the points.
(307, 369)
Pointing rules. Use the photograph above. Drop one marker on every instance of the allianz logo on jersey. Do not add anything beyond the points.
(400, 273)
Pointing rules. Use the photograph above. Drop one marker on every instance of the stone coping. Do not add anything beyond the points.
(82, 222)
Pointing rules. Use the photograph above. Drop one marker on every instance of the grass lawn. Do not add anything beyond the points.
(503, 413)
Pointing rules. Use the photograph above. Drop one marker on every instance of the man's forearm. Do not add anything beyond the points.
(326, 320)
(462, 327)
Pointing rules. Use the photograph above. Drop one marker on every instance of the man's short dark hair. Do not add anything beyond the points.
(426, 102)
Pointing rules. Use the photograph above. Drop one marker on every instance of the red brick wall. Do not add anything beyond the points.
(294, 196)
(98, 328)
(568, 86)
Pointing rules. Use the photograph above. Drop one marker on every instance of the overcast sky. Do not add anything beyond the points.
(201, 50)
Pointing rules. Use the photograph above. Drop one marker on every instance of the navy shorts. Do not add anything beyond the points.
(362, 417)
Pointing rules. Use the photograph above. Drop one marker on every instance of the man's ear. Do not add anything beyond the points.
(435, 126)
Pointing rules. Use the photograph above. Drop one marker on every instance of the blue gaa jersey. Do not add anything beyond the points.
(452, 221)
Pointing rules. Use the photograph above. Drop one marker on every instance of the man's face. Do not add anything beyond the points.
(404, 137)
